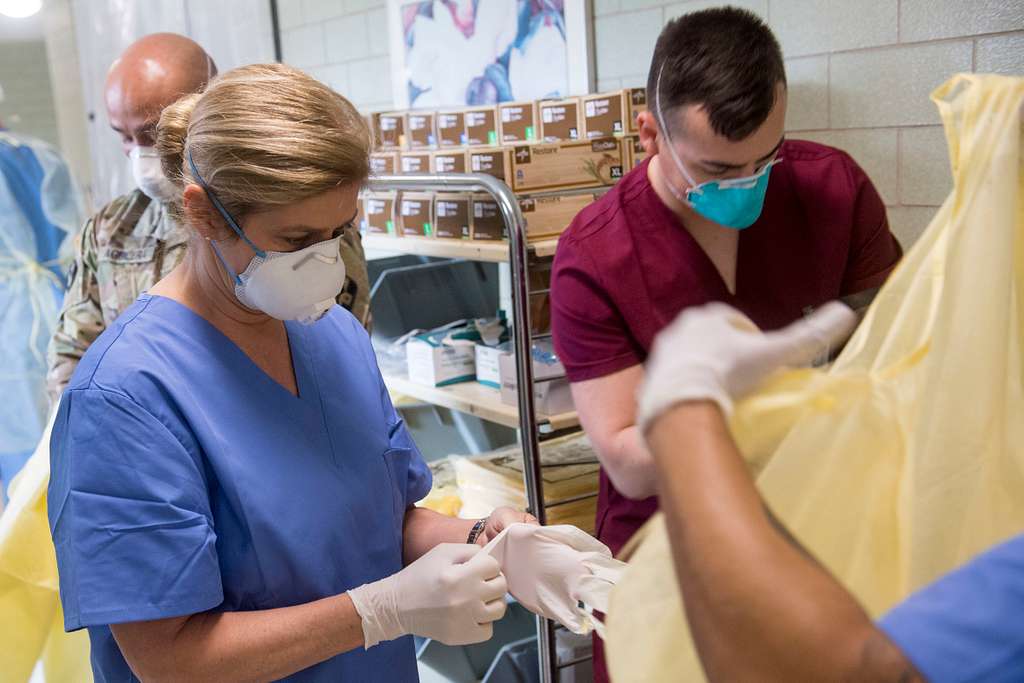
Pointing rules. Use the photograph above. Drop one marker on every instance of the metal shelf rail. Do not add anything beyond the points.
(528, 431)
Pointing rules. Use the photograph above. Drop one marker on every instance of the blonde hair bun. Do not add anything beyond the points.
(264, 135)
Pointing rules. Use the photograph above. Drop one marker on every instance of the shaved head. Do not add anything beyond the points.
(153, 72)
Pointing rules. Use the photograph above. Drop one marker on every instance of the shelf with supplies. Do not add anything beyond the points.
(414, 229)
(471, 250)
(475, 399)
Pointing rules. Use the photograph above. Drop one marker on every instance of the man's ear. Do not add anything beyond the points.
(201, 215)
(649, 131)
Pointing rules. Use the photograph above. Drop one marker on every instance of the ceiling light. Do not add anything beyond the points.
(19, 9)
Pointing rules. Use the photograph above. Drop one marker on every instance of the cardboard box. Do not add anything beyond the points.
(550, 215)
(488, 363)
(559, 119)
(392, 130)
(567, 165)
(488, 224)
(451, 128)
(551, 392)
(517, 122)
(436, 364)
(635, 151)
(378, 213)
(448, 161)
(453, 216)
(384, 163)
(414, 214)
(373, 122)
(419, 130)
(495, 161)
(636, 102)
(414, 162)
(604, 115)
(481, 126)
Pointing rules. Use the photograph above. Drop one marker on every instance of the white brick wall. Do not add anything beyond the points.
(344, 43)
(860, 71)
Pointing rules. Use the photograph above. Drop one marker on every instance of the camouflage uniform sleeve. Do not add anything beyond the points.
(81, 318)
(356, 295)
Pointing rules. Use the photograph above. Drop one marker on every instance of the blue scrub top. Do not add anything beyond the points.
(968, 625)
(184, 479)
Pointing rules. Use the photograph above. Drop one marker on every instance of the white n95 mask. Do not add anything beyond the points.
(288, 285)
(149, 174)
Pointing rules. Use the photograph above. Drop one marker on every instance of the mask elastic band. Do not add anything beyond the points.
(220, 207)
(664, 129)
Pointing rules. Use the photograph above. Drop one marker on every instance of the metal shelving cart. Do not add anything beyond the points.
(474, 399)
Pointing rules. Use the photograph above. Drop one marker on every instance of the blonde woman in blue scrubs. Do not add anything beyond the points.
(232, 490)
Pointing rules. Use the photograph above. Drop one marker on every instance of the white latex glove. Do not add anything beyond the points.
(550, 570)
(716, 353)
(453, 594)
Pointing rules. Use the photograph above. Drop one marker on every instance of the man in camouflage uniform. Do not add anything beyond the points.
(132, 242)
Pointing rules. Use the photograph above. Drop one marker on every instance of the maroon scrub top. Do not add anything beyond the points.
(626, 267)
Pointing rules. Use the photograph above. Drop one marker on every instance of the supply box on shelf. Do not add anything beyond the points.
(419, 129)
(448, 355)
(378, 213)
(415, 214)
(392, 130)
(551, 388)
(384, 163)
(414, 162)
(559, 119)
(488, 366)
(566, 165)
(449, 161)
(550, 215)
(481, 125)
(495, 161)
(453, 216)
(636, 102)
(634, 151)
(488, 224)
(603, 115)
(436, 364)
(517, 122)
(451, 128)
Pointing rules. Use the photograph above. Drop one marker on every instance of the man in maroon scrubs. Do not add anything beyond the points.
(724, 209)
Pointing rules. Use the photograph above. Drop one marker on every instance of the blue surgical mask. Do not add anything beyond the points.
(735, 203)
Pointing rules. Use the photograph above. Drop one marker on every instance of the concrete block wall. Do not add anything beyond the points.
(859, 76)
(343, 43)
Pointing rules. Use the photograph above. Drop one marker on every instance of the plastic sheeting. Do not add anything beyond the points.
(39, 207)
(906, 457)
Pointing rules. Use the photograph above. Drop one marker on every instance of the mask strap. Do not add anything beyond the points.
(220, 207)
(664, 131)
(220, 257)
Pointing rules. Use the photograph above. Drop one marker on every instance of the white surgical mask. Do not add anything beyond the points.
(149, 175)
(288, 285)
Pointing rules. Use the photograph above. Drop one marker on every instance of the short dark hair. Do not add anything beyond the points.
(727, 60)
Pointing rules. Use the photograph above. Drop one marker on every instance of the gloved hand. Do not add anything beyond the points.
(501, 518)
(452, 594)
(716, 353)
(551, 569)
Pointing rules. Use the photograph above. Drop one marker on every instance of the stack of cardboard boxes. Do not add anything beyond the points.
(537, 148)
